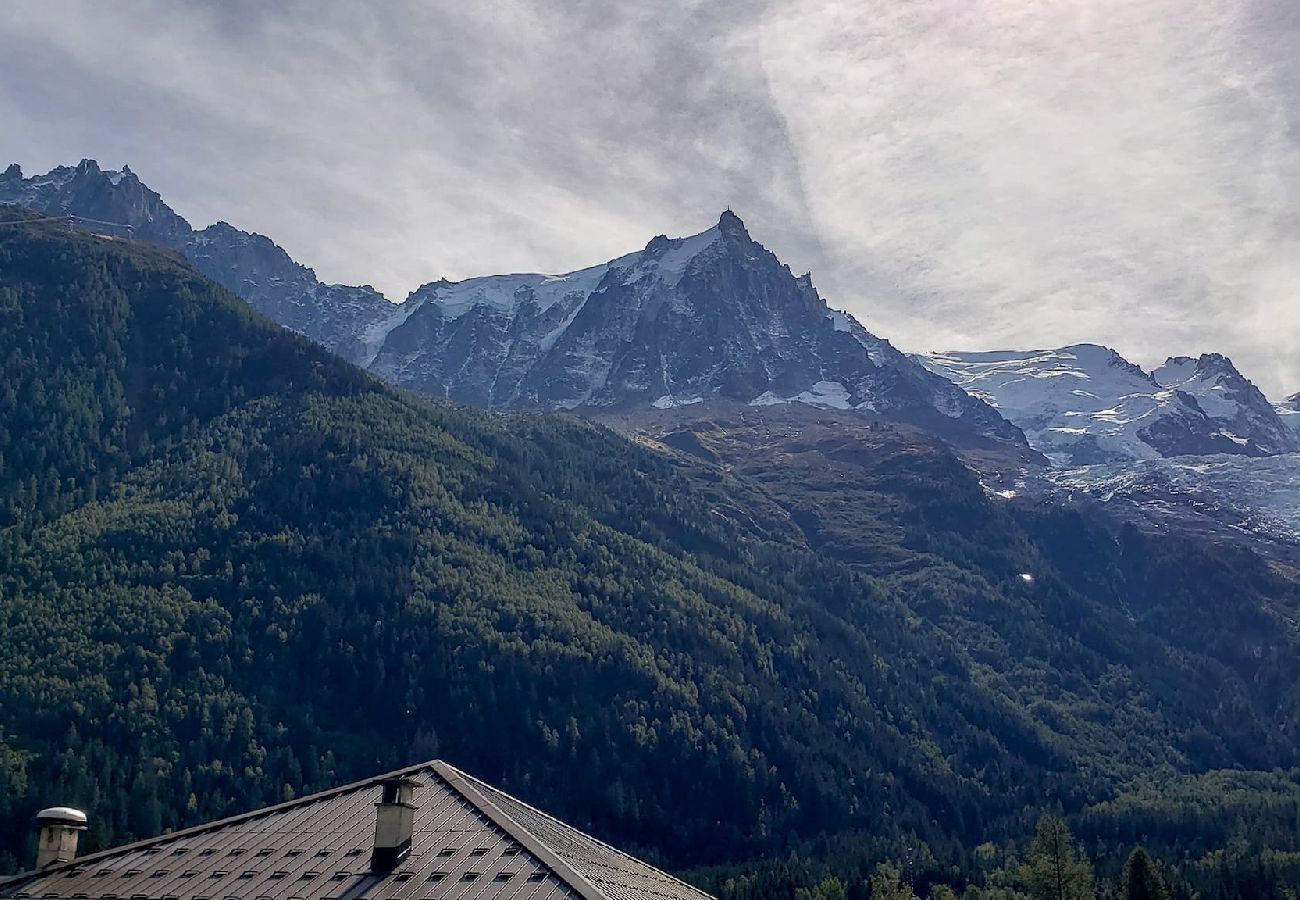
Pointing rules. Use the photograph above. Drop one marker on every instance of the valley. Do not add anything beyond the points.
(849, 595)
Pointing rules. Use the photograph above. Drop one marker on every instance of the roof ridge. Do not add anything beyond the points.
(467, 786)
(567, 827)
(220, 823)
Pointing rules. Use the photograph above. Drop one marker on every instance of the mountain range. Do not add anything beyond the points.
(1086, 404)
(681, 321)
(688, 320)
(831, 603)
(235, 567)
(686, 327)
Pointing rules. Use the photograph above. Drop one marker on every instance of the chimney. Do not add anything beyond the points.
(394, 823)
(60, 827)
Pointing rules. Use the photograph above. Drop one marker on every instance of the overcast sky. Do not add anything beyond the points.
(959, 174)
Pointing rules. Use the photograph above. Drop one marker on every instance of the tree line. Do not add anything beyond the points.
(234, 569)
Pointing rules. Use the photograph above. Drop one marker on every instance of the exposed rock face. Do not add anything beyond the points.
(1232, 402)
(86, 190)
(249, 265)
(714, 315)
(1086, 404)
(256, 269)
(684, 320)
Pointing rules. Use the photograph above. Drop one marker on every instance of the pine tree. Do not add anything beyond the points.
(829, 889)
(1054, 871)
(1142, 879)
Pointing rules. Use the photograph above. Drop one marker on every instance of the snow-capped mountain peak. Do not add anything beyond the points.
(713, 315)
(1230, 400)
(1086, 404)
(663, 259)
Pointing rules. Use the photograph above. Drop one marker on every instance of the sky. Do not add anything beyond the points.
(958, 174)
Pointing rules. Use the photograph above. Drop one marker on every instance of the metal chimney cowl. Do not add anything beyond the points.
(60, 828)
(394, 823)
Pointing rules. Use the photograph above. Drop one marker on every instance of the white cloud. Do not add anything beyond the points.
(403, 142)
(956, 172)
(1040, 173)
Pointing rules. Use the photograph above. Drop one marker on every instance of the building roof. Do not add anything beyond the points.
(470, 842)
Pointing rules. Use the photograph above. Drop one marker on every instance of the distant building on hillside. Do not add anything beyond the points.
(429, 831)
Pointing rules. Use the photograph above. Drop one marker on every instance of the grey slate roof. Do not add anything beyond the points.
(471, 842)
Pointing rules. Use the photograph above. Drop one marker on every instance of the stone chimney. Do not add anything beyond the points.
(394, 823)
(60, 827)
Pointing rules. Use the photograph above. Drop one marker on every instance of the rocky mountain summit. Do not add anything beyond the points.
(249, 265)
(109, 196)
(684, 320)
(1231, 401)
(1085, 404)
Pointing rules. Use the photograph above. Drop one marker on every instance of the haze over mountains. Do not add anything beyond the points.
(234, 567)
(685, 323)
(712, 315)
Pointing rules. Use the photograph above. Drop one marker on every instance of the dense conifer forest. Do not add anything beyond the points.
(234, 569)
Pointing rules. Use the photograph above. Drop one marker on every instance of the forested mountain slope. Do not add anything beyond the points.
(1102, 629)
(234, 568)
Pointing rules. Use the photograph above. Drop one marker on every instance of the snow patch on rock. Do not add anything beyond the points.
(1085, 404)
(825, 394)
(668, 402)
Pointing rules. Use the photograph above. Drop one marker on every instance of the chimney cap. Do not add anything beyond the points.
(61, 815)
(398, 791)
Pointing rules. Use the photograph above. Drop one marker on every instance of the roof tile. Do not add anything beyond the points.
(471, 842)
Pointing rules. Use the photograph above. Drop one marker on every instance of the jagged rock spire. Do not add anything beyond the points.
(730, 223)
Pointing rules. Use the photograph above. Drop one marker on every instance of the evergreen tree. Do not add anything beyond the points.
(1054, 870)
(828, 889)
(887, 884)
(1142, 879)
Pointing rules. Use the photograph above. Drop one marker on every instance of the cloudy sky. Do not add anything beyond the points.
(957, 173)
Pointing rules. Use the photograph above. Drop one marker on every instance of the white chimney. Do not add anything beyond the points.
(394, 823)
(60, 827)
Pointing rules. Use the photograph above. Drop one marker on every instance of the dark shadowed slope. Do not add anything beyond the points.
(234, 568)
(683, 319)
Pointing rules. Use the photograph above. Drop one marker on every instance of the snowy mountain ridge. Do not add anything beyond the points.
(1193, 442)
(713, 315)
(1288, 412)
(1231, 400)
(709, 316)
(1085, 404)
(716, 316)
